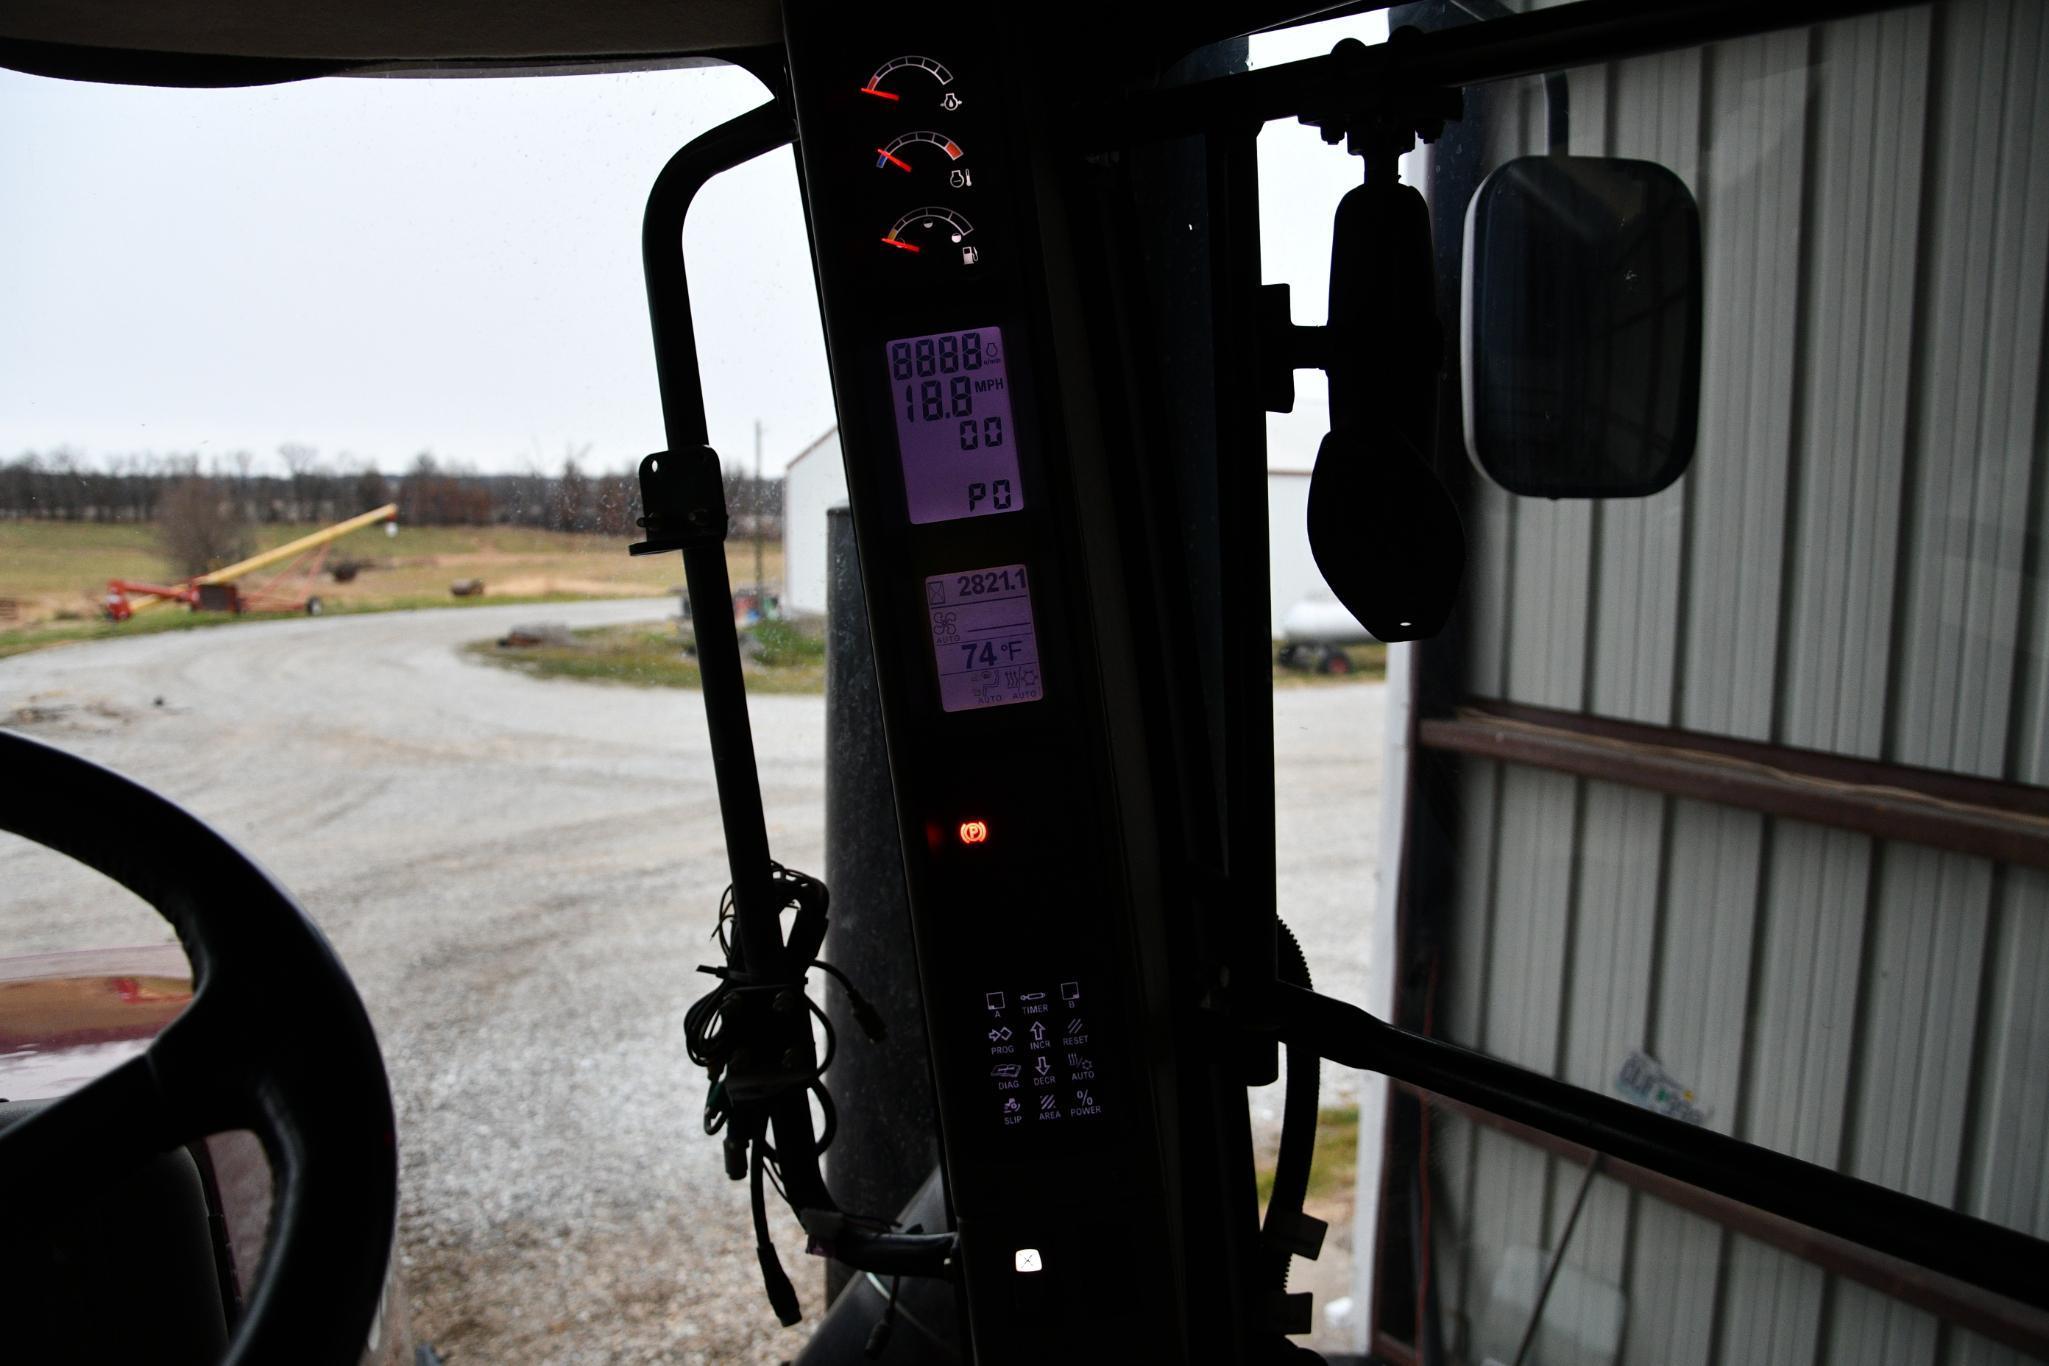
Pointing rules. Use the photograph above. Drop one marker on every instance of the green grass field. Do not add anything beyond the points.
(780, 657)
(54, 574)
(1333, 1166)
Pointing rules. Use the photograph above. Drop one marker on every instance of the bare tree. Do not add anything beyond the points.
(301, 462)
(372, 491)
(572, 498)
(197, 526)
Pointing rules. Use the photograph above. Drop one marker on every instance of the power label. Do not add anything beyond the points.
(982, 638)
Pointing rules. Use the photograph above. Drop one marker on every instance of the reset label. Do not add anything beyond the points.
(982, 637)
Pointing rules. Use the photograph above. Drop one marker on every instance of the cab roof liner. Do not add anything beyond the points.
(259, 42)
(213, 43)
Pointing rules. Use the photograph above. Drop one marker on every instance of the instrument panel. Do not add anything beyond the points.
(927, 240)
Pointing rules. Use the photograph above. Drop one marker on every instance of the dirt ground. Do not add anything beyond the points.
(521, 876)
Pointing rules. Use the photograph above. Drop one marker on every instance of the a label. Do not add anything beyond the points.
(1644, 1080)
(1042, 1066)
(982, 637)
(951, 392)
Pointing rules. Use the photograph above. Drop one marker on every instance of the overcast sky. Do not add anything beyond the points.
(380, 267)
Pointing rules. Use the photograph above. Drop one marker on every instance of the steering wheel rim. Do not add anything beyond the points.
(275, 1040)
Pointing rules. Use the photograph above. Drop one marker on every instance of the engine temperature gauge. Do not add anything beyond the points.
(907, 153)
(907, 80)
(936, 233)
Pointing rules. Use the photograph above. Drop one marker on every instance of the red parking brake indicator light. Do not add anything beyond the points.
(974, 832)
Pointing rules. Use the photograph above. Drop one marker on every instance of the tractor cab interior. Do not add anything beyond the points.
(1054, 345)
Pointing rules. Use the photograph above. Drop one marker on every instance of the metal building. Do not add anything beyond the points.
(1748, 778)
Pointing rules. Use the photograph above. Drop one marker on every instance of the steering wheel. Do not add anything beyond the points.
(275, 1041)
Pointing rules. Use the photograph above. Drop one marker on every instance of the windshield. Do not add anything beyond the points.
(318, 424)
(1706, 782)
(239, 318)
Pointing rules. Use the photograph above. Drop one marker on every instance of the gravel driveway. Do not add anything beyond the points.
(520, 875)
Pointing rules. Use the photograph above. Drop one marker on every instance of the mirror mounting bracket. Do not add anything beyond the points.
(1379, 115)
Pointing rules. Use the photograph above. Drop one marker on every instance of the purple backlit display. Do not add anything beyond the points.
(982, 637)
(952, 400)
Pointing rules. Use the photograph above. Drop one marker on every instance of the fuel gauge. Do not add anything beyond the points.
(910, 81)
(935, 233)
(925, 154)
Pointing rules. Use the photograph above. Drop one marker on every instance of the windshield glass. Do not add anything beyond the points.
(239, 318)
(1714, 787)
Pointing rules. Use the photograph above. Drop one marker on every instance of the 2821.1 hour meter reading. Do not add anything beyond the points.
(951, 392)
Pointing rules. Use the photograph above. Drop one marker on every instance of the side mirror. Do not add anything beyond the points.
(1581, 327)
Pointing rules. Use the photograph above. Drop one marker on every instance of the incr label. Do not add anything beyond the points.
(983, 642)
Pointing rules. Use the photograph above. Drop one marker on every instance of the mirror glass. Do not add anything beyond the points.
(1581, 327)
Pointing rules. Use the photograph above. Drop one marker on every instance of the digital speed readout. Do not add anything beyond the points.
(951, 392)
(982, 637)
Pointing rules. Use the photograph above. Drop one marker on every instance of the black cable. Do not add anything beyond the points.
(1579, 1203)
(878, 1337)
(709, 1043)
(782, 1296)
(865, 1015)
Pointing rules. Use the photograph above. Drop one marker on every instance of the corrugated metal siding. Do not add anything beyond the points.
(1854, 565)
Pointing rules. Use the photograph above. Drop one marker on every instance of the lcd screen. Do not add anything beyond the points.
(982, 637)
(951, 391)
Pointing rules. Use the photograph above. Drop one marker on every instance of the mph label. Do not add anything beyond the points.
(982, 637)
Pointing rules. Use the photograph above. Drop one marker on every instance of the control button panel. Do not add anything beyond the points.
(1042, 1058)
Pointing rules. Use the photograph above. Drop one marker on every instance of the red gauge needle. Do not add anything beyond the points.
(879, 94)
(898, 162)
(902, 246)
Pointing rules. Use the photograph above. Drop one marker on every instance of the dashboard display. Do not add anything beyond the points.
(951, 391)
(982, 637)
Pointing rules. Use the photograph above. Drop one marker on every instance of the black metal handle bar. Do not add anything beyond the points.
(756, 904)
(1982, 1253)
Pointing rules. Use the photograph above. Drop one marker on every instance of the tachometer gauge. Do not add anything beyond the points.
(936, 234)
(925, 154)
(909, 81)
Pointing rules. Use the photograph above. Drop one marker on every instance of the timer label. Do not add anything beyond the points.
(982, 637)
(951, 392)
